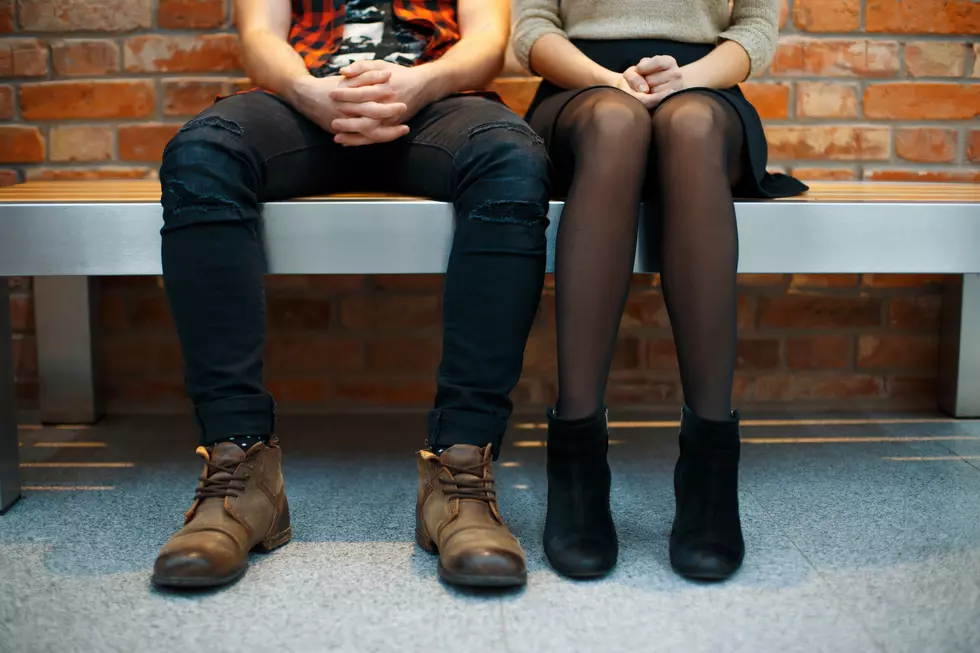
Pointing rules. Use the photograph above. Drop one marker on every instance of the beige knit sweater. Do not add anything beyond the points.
(753, 24)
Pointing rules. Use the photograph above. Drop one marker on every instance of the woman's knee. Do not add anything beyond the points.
(611, 117)
(691, 117)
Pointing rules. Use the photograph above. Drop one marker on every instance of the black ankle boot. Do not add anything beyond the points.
(579, 534)
(706, 541)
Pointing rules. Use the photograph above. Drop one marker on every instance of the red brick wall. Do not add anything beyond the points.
(880, 89)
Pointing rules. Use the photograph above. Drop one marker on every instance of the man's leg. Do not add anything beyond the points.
(242, 151)
(487, 161)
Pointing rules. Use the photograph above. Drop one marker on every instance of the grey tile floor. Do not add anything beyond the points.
(861, 537)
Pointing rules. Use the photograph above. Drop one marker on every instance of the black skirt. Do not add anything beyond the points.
(620, 55)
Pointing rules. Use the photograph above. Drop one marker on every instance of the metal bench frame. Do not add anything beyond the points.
(65, 245)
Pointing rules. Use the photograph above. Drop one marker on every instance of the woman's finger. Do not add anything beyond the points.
(663, 77)
(635, 80)
(656, 64)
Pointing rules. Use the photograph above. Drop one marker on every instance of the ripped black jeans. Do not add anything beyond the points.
(252, 148)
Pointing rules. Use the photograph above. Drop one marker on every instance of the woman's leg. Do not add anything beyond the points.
(602, 139)
(698, 141)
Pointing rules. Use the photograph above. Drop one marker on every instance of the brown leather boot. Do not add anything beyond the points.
(240, 505)
(457, 516)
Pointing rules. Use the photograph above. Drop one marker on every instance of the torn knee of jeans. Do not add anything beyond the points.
(517, 127)
(509, 212)
(214, 121)
(183, 205)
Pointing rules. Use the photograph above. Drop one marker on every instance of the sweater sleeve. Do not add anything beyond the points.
(755, 26)
(535, 18)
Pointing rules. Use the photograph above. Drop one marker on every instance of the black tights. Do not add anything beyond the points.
(691, 148)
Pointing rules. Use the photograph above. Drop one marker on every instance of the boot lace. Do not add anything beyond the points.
(225, 486)
(479, 489)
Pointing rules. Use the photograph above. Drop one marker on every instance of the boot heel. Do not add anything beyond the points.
(422, 535)
(282, 532)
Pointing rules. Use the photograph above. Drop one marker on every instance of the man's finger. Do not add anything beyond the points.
(375, 110)
(655, 64)
(370, 78)
(377, 135)
(374, 93)
(356, 124)
(635, 80)
(361, 67)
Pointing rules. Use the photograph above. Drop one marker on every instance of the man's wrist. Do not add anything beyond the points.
(436, 82)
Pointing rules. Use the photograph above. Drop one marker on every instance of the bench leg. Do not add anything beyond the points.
(66, 314)
(959, 361)
(9, 448)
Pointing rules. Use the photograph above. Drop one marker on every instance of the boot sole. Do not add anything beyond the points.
(464, 580)
(267, 545)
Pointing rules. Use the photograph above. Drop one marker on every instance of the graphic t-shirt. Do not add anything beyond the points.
(371, 32)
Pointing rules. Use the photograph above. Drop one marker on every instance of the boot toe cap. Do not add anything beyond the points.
(705, 562)
(583, 557)
(205, 563)
(486, 567)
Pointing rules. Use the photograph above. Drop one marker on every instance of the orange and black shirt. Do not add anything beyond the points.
(330, 34)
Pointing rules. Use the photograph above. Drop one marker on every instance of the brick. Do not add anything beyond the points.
(144, 142)
(845, 143)
(9, 178)
(836, 58)
(147, 394)
(6, 16)
(191, 14)
(431, 282)
(21, 144)
(139, 355)
(645, 309)
(898, 352)
(391, 312)
(824, 281)
(25, 357)
(404, 355)
(188, 97)
(384, 392)
(922, 101)
(298, 313)
(922, 312)
(827, 15)
(783, 13)
(746, 313)
(976, 60)
(628, 354)
(761, 280)
(827, 100)
(913, 388)
(824, 174)
(640, 391)
(85, 57)
(934, 59)
(318, 353)
(661, 354)
(901, 280)
(757, 354)
(23, 58)
(6, 102)
(80, 143)
(151, 312)
(516, 92)
(21, 313)
(814, 312)
(770, 99)
(926, 145)
(786, 387)
(972, 145)
(284, 284)
(923, 16)
(955, 176)
(84, 15)
(818, 352)
(299, 391)
(87, 100)
(181, 54)
(87, 174)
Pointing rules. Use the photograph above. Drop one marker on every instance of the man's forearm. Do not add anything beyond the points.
(273, 64)
(470, 65)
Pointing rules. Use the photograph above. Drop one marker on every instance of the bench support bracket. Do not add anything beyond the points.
(66, 313)
(9, 448)
(959, 361)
